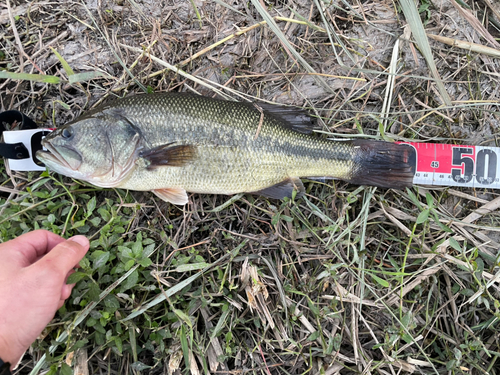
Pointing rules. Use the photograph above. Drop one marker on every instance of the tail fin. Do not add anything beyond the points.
(383, 164)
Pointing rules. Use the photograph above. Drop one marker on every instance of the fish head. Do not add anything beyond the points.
(100, 149)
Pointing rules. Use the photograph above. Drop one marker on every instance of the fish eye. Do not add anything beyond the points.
(67, 133)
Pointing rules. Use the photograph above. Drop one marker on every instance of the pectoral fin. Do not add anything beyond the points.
(168, 155)
(172, 195)
(283, 189)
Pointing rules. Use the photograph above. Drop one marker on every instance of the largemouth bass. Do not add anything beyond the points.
(174, 143)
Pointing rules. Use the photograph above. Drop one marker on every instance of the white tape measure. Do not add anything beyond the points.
(452, 165)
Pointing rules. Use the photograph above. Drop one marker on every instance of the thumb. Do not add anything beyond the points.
(66, 255)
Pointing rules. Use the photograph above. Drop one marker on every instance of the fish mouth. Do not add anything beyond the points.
(59, 156)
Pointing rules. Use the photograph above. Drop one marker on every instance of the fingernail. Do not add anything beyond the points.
(81, 240)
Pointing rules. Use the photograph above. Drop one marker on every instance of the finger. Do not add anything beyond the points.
(64, 257)
(27, 248)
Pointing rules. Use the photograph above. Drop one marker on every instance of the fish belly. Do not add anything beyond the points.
(216, 170)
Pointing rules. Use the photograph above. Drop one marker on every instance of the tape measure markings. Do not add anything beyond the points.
(456, 165)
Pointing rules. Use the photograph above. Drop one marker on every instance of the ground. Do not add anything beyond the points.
(346, 280)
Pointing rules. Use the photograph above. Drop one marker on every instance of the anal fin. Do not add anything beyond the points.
(283, 189)
(172, 195)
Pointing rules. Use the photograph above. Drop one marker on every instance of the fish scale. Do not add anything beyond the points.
(175, 143)
(229, 164)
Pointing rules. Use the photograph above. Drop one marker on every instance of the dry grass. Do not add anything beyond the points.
(347, 280)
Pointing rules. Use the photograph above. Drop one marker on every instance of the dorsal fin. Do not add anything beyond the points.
(290, 117)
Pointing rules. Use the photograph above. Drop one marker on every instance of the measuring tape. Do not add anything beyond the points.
(452, 165)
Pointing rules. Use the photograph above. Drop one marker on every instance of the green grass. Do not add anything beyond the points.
(140, 298)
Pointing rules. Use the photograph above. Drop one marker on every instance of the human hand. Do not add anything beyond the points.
(33, 272)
